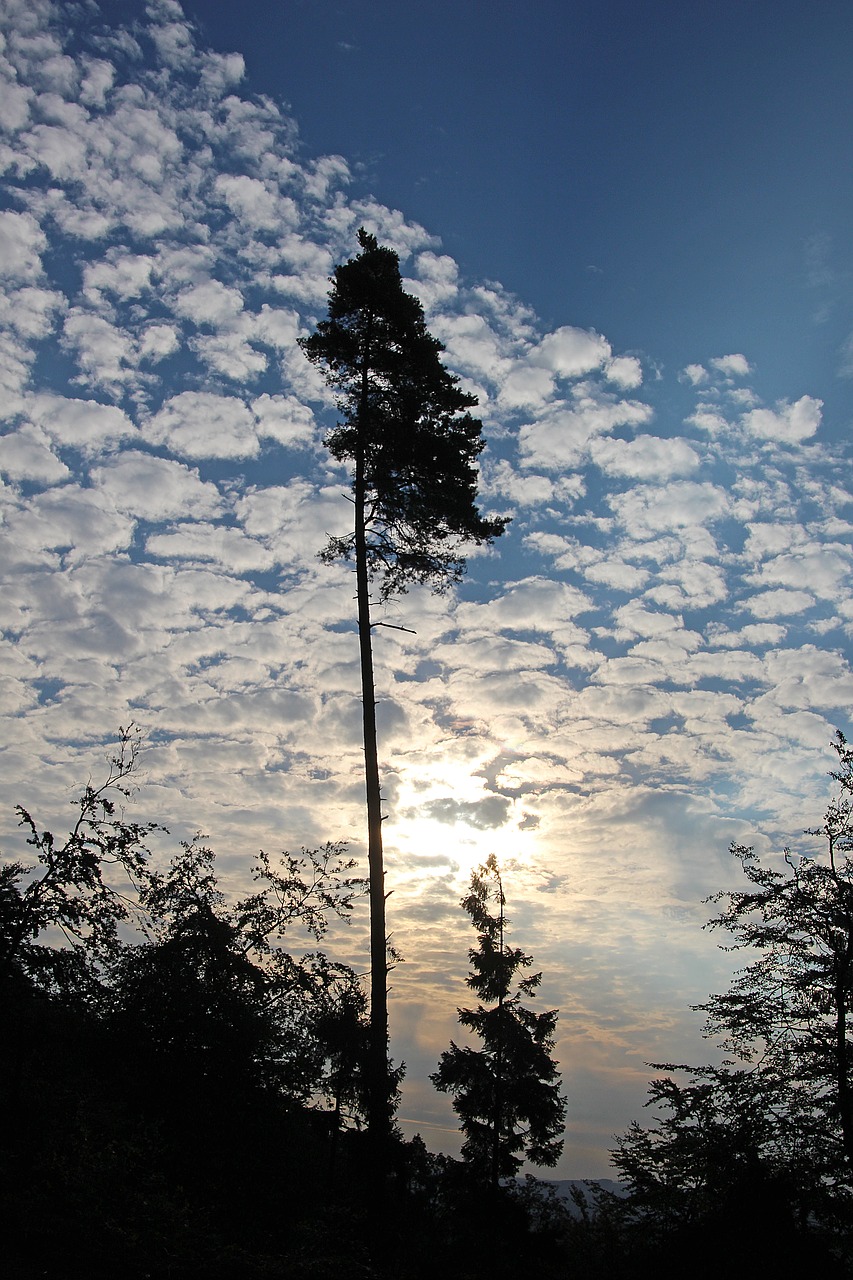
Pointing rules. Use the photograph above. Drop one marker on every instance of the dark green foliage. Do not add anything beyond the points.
(507, 1094)
(404, 424)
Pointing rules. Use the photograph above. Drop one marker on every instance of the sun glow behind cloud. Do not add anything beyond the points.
(448, 819)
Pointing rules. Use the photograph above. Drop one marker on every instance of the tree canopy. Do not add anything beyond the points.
(404, 424)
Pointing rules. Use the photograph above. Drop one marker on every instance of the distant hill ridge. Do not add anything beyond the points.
(565, 1186)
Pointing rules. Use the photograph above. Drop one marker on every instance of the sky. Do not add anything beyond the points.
(629, 226)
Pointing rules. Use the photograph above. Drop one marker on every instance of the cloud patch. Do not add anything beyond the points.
(202, 424)
(788, 423)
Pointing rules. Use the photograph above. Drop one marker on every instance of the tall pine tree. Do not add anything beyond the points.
(507, 1094)
(406, 432)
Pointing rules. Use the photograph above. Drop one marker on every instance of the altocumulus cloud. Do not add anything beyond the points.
(648, 665)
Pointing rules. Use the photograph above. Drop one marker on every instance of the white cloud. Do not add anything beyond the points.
(809, 677)
(494, 653)
(570, 352)
(97, 81)
(691, 584)
(26, 454)
(328, 172)
(222, 71)
(157, 342)
(70, 519)
(390, 226)
(781, 603)
(708, 420)
(630, 706)
(230, 354)
(625, 371)
(645, 458)
(62, 151)
(151, 488)
(256, 203)
(230, 548)
(756, 633)
(770, 537)
(437, 281)
(526, 489)
(561, 437)
(105, 352)
(525, 387)
(21, 243)
(696, 374)
(635, 620)
(31, 311)
(14, 104)
(276, 326)
(285, 419)
(535, 604)
(210, 303)
(473, 346)
(615, 573)
(200, 424)
(123, 274)
(819, 570)
(296, 519)
(83, 424)
(674, 506)
(789, 423)
(15, 363)
(733, 366)
(173, 38)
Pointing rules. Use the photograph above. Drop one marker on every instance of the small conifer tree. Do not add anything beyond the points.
(507, 1094)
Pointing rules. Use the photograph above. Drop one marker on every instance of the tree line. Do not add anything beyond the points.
(186, 1092)
(183, 1089)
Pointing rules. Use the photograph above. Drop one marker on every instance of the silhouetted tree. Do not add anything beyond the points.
(507, 1094)
(217, 993)
(790, 1009)
(777, 1113)
(413, 446)
(715, 1136)
(59, 916)
(732, 1165)
(170, 1057)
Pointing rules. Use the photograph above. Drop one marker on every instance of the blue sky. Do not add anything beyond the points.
(662, 173)
(630, 227)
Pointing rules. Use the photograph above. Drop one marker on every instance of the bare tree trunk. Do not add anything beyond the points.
(842, 1052)
(377, 1065)
(499, 1056)
(843, 972)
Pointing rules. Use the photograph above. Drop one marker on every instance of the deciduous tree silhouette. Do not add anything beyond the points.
(778, 1110)
(507, 1094)
(79, 888)
(217, 989)
(413, 446)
